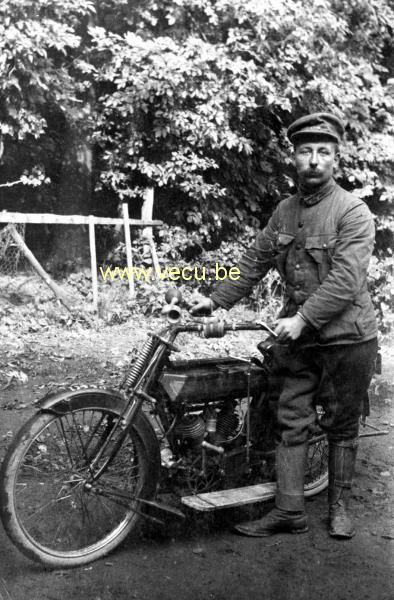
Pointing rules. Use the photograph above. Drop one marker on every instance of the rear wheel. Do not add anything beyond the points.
(316, 471)
(50, 506)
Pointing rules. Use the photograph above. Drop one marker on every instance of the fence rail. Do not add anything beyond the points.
(52, 219)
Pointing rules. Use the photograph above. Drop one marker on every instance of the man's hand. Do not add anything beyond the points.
(289, 329)
(201, 307)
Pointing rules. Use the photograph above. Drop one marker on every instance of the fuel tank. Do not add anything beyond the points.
(200, 380)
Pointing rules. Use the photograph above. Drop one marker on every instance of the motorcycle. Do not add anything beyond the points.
(177, 436)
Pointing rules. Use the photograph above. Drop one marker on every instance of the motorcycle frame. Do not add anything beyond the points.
(137, 395)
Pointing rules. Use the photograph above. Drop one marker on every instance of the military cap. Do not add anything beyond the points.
(325, 124)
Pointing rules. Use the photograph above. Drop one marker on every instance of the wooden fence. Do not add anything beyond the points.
(91, 221)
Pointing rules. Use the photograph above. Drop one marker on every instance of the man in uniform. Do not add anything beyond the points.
(320, 240)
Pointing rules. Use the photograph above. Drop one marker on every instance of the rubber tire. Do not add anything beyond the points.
(52, 558)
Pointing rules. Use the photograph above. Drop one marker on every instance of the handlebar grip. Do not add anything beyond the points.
(214, 329)
(218, 329)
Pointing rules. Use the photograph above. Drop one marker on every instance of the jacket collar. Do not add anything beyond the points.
(321, 193)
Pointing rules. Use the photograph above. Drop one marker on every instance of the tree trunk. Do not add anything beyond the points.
(71, 245)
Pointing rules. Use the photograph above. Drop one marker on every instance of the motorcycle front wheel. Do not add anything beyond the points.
(48, 507)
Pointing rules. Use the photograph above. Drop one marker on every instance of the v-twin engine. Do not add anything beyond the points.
(218, 426)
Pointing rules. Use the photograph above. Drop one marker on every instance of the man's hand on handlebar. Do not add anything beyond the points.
(202, 307)
(289, 329)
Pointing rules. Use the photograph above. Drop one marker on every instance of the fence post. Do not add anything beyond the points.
(125, 208)
(93, 262)
(147, 232)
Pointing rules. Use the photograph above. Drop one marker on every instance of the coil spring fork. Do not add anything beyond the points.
(139, 363)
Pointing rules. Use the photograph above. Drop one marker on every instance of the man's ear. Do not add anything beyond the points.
(337, 156)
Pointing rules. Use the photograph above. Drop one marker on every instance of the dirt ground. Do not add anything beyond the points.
(203, 559)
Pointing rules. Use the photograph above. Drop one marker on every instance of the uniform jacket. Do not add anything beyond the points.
(321, 245)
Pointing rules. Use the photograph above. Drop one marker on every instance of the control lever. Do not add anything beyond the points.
(267, 328)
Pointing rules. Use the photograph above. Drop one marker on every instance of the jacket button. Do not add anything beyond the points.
(297, 266)
(298, 246)
(300, 224)
(324, 245)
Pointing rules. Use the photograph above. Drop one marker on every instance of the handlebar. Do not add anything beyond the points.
(209, 327)
(218, 328)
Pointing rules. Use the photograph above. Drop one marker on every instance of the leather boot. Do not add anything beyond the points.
(289, 512)
(341, 465)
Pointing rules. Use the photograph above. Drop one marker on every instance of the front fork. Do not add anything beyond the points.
(122, 424)
(157, 346)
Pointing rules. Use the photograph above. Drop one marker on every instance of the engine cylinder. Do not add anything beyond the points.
(227, 425)
(190, 429)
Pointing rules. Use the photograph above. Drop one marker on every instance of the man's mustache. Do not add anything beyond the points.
(312, 173)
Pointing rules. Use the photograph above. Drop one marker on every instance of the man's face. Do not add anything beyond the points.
(315, 161)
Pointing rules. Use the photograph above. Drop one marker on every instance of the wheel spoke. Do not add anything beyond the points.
(317, 464)
(64, 437)
(95, 430)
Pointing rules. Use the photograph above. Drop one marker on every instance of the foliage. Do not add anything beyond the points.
(37, 39)
(35, 178)
(42, 95)
(194, 96)
(199, 95)
(168, 114)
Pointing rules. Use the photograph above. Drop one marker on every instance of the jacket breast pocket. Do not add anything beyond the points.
(282, 246)
(321, 249)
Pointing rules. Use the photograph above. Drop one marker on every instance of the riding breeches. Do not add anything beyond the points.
(335, 377)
